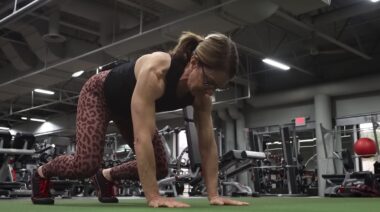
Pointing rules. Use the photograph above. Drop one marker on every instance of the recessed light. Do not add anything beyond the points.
(38, 90)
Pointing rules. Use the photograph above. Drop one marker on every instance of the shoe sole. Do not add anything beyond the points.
(42, 201)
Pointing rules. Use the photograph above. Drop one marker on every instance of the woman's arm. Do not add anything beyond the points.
(208, 151)
(207, 144)
(150, 71)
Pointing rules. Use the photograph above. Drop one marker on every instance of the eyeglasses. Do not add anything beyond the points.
(209, 83)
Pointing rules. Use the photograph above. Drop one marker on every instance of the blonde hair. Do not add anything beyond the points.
(215, 51)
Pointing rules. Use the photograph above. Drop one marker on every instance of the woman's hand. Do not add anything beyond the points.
(166, 202)
(225, 201)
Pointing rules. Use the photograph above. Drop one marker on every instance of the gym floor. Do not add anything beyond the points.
(260, 204)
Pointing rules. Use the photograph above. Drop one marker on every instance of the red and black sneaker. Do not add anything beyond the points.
(41, 190)
(105, 188)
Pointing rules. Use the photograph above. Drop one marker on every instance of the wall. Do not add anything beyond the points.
(343, 107)
(357, 105)
(277, 115)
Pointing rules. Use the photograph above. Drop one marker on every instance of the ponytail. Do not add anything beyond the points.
(186, 45)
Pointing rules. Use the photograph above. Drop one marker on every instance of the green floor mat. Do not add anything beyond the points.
(261, 204)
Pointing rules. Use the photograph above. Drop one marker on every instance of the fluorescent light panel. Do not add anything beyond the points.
(307, 140)
(78, 73)
(276, 64)
(38, 90)
(37, 120)
(24, 118)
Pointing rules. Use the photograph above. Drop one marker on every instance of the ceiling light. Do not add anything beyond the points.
(375, 1)
(99, 69)
(4, 128)
(44, 91)
(78, 73)
(24, 118)
(37, 120)
(276, 64)
(307, 140)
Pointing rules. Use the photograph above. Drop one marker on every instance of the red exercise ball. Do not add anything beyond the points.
(365, 147)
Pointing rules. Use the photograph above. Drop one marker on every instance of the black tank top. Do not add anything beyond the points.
(120, 84)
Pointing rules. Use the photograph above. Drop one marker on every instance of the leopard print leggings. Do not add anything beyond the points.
(91, 125)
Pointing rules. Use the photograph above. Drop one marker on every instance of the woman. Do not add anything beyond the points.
(131, 94)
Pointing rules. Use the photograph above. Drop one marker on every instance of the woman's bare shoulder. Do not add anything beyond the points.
(156, 62)
(156, 58)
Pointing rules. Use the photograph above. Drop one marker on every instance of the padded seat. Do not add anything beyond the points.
(10, 185)
(25, 141)
(233, 156)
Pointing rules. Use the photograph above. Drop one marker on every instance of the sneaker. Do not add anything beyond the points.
(41, 190)
(104, 188)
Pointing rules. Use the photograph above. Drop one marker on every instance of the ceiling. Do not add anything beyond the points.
(44, 42)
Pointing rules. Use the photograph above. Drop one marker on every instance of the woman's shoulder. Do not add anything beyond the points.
(157, 62)
(155, 57)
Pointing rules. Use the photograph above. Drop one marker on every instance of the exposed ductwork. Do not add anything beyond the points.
(347, 87)
(110, 20)
(53, 35)
(182, 5)
(344, 13)
(224, 17)
(48, 55)
(33, 37)
(236, 14)
(298, 7)
(20, 56)
(322, 35)
(244, 9)
(202, 22)
(91, 11)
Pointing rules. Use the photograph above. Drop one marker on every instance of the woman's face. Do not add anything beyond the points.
(204, 80)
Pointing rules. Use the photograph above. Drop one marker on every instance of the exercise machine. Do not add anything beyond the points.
(231, 164)
(351, 183)
(17, 161)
